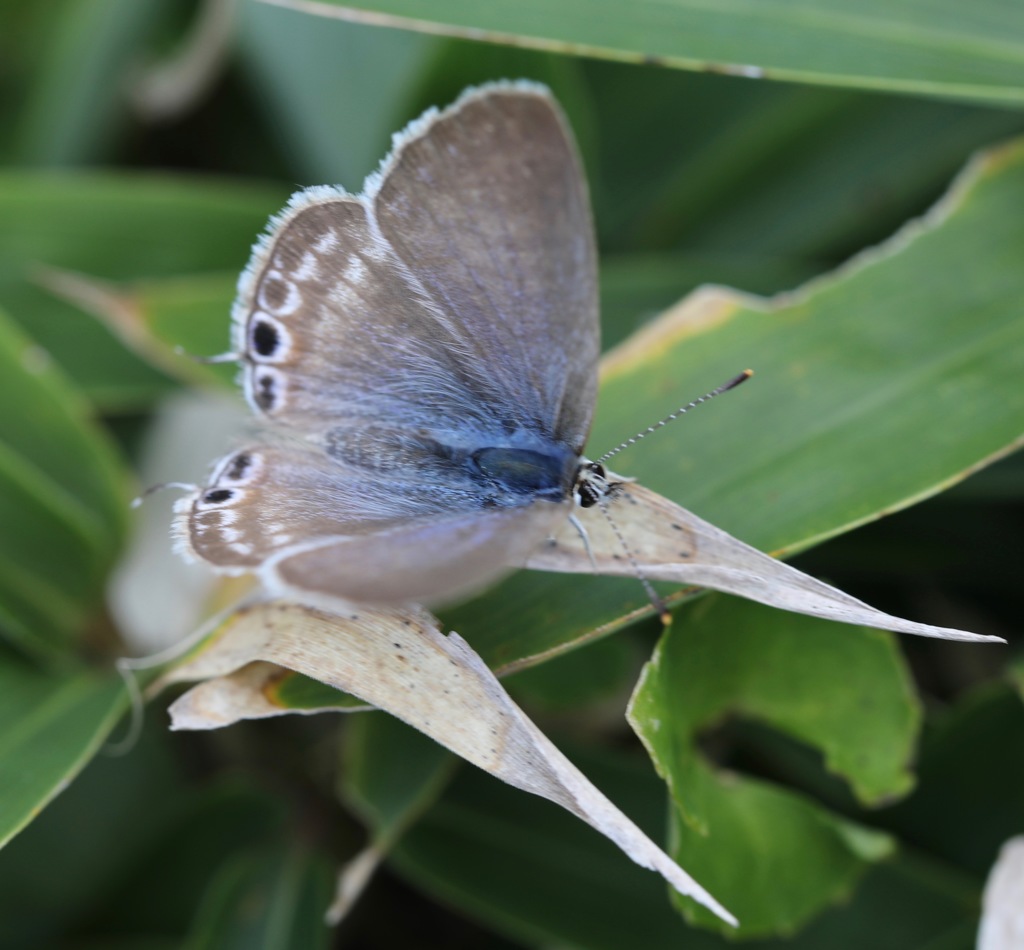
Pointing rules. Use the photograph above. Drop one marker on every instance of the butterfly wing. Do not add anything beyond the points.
(307, 522)
(459, 290)
(496, 228)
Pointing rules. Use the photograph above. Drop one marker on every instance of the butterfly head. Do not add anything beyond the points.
(594, 483)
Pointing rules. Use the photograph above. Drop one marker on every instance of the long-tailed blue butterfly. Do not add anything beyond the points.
(423, 359)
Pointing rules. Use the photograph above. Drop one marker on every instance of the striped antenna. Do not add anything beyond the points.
(724, 388)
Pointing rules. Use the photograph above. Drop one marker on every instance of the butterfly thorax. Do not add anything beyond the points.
(495, 470)
(525, 472)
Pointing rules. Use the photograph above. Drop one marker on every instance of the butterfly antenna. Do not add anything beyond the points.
(724, 388)
(153, 489)
(664, 614)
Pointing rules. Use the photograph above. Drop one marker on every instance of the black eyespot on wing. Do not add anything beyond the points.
(239, 466)
(265, 338)
(266, 392)
(218, 495)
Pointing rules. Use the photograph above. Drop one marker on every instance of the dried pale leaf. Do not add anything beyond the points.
(399, 661)
(1002, 914)
(253, 633)
(250, 693)
(670, 543)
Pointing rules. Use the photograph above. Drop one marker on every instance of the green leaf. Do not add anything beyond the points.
(270, 899)
(907, 903)
(103, 824)
(768, 172)
(932, 47)
(875, 387)
(77, 105)
(635, 288)
(970, 795)
(582, 680)
(169, 878)
(846, 691)
(52, 725)
(774, 856)
(391, 774)
(295, 691)
(165, 321)
(63, 498)
(335, 91)
(1017, 675)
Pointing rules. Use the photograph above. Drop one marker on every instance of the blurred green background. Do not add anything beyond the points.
(839, 788)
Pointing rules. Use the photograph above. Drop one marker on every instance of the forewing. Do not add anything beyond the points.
(332, 332)
(486, 206)
(380, 533)
(459, 292)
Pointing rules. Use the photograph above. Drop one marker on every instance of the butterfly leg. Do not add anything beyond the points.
(585, 538)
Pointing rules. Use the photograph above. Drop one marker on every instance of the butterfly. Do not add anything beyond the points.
(422, 359)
